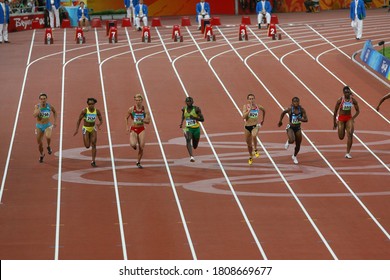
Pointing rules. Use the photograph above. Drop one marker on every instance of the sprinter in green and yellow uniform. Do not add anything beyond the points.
(192, 115)
(89, 114)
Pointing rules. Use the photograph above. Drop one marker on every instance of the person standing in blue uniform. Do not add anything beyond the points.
(4, 21)
(130, 6)
(263, 9)
(52, 7)
(141, 13)
(357, 13)
(83, 16)
(297, 115)
(202, 12)
(90, 127)
(43, 126)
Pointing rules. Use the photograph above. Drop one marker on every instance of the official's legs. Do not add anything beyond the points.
(51, 16)
(133, 11)
(259, 18)
(349, 128)
(4, 32)
(145, 21)
(57, 14)
(359, 31)
(128, 12)
(137, 22)
(268, 18)
(1, 32)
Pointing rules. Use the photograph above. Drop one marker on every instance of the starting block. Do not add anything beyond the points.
(243, 33)
(49, 36)
(203, 23)
(96, 22)
(109, 24)
(215, 21)
(35, 24)
(80, 39)
(156, 22)
(274, 19)
(65, 23)
(146, 38)
(185, 21)
(176, 34)
(126, 22)
(113, 38)
(272, 30)
(246, 20)
(208, 33)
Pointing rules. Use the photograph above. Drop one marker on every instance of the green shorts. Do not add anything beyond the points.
(194, 131)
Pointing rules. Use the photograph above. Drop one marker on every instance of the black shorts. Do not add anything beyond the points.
(250, 128)
(295, 128)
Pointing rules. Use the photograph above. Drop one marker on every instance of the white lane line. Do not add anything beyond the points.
(110, 145)
(16, 119)
(281, 60)
(338, 79)
(238, 202)
(60, 151)
(130, 45)
(311, 143)
(167, 168)
(306, 213)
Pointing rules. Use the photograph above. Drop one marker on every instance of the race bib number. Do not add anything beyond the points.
(347, 106)
(294, 120)
(190, 122)
(253, 114)
(91, 118)
(138, 118)
(45, 115)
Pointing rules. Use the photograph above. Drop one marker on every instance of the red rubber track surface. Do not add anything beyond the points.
(326, 207)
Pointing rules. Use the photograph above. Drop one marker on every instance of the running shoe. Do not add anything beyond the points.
(294, 158)
(286, 145)
(93, 164)
(348, 156)
(250, 161)
(49, 151)
(139, 165)
(257, 154)
(192, 159)
(41, 158)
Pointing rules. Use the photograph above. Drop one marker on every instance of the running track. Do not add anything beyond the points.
(327, 207)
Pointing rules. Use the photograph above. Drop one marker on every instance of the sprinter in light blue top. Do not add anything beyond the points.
(42, 113)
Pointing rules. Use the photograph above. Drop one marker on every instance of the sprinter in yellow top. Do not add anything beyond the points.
(89, 114)
(192, 115)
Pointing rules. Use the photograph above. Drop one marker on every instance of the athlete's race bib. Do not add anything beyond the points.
(294, 120)
(190, 122)
(253, 114)
(347, 106)
(138, 118)
(90, 118)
